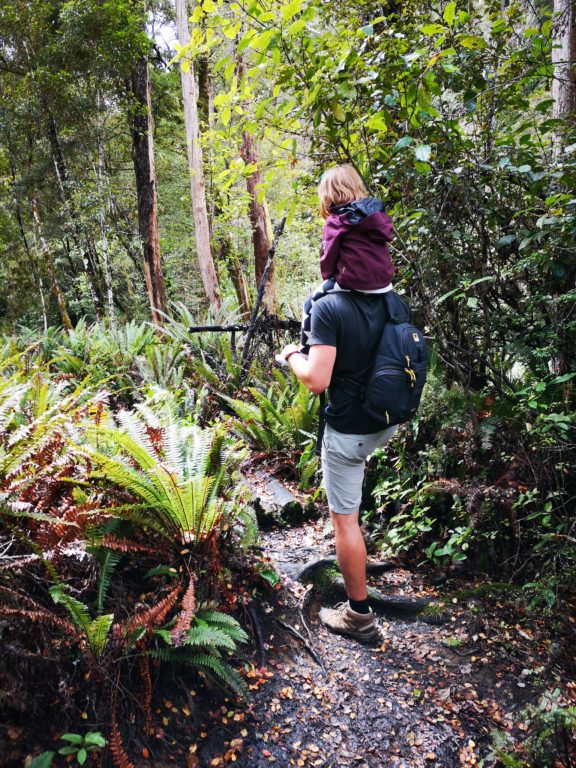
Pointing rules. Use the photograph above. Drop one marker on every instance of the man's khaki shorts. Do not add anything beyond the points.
(343, 464)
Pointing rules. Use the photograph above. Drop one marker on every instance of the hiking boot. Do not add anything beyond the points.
(344, 621)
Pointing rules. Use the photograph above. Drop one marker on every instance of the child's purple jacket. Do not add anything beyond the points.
(355, 249)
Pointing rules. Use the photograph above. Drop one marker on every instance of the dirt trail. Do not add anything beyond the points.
(428, 695)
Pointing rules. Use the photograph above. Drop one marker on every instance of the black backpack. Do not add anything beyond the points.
(394, 387)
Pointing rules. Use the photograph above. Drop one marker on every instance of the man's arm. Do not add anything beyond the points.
(314, 372)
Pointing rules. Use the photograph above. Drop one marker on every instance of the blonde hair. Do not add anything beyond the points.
(340, 184)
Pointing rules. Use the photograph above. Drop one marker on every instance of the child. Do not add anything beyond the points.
(355, 253)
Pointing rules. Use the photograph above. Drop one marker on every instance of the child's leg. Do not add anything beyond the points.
(326, 287)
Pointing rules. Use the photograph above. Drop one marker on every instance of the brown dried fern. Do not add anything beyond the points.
(126, 545)
(39, 617)
(186, 613)
(119, 754)
(144, 665)
(149, 618)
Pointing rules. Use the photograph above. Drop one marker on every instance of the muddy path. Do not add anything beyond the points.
(429, 695)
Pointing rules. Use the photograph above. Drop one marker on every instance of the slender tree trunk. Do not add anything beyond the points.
(48, 261)
(123, 229)
(206, 120)
(226, 251)
(143, 156)
(205, 93)
(30, 253)
(99, 173)
(563, 60)
(196, 165)
(229, 256)
(262, 232)
(82, 241)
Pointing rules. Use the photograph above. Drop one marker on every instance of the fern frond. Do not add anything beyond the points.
(126, 545)
(151, 617)
(108, 562)
(119, 754)
(77, 610)
(161, 570)
(186, 613)
(38, 617)
(98, 633)
(222, 671)
(211, 637)
(144, 667)
(225, 622)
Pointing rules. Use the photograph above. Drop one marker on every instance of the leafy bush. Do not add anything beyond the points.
(551, 740)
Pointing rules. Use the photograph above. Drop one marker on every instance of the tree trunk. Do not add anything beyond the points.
(82, 241)
(262, 233)
(563, 59)
(30, 253)
(196, 165)
(48, 261)
(143, 156)
(236, 272)
(99, 173)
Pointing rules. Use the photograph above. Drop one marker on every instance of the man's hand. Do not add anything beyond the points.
(314, 372)
(289, 349)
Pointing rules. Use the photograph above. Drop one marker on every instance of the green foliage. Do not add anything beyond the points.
(212, 635)
(280, 418)
(96, 630)
(552, 729)
(180, 474)
(81, 746)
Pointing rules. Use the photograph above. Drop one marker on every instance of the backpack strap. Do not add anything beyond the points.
(321, 423)
(398, 310)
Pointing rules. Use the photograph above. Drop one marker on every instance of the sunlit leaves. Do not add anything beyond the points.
(423, 152)
(432, 29)
(449, 13)
(473, 42)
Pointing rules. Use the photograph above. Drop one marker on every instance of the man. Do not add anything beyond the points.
(345, 331)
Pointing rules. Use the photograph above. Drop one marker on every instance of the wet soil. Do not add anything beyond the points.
(430, 694)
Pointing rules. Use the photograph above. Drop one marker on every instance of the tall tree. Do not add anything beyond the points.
(262, 232)
(141, 128)
(49, 263)
(196, 164)
(564, 59)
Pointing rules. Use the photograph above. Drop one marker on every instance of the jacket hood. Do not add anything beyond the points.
(358, 210)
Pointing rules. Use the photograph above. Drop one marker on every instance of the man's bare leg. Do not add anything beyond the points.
(351, 554)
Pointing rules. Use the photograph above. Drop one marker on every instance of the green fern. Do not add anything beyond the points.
(204, 635)
(225, 622)
(95, 630)
(109, 559)
(222, 671)
(161, 570)
(280, 419)
(212, 634)
(183, 479)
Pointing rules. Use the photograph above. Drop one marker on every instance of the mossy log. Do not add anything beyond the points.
(275, 505)
(307, 574)
(328, 585)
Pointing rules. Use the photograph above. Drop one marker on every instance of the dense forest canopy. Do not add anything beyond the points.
(148, 149)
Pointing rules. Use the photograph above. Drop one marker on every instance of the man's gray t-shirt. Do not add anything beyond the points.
(353, 323)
